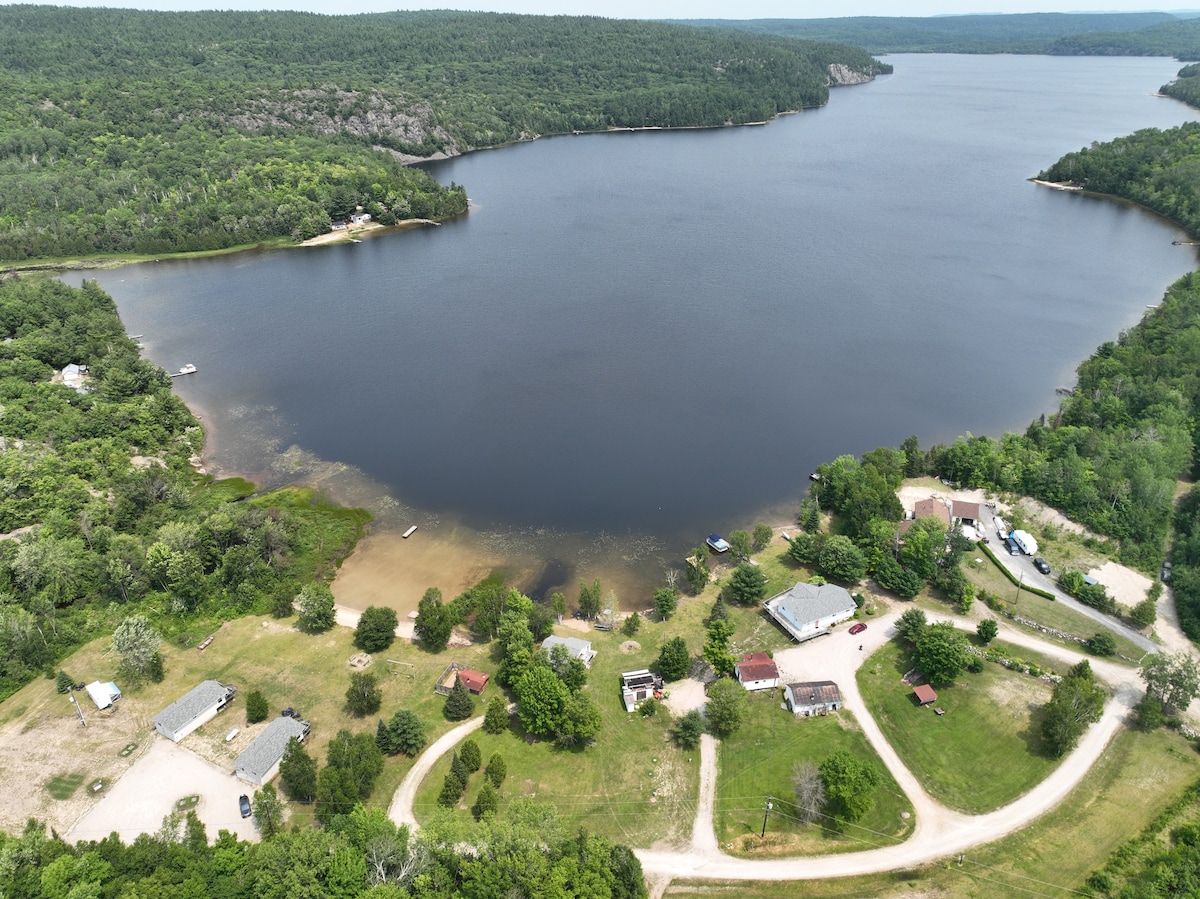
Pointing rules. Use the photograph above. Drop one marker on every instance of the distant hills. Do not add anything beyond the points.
(1068, 34)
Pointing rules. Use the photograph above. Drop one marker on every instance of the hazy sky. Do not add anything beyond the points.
(648, 9)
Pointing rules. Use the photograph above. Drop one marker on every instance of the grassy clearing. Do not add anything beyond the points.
(1133, 781)
(757, 762)
(988, 716)
(62, 786)
(1045, 612)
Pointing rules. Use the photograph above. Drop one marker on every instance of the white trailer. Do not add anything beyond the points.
(1001, 527)
(1025, 540)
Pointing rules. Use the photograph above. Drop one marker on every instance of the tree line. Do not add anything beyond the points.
(141, 132)
(105, 518)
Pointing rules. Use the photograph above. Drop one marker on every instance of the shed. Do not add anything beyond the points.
(638, 686)
(925, 694)
(259, 763)
(475, 681)
(810, 610)
(812, 697)
(757, 671)
(196, 707)
(578, 649)
(104, 695)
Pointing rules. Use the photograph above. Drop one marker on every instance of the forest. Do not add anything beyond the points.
(1015, 33)
(101, 513)
(138, 132)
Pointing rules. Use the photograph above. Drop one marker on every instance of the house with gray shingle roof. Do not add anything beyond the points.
(198, 706)
(578, 649)
(260, 762)
(810, 610)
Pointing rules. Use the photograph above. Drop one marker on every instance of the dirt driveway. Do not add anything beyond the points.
(148, 791)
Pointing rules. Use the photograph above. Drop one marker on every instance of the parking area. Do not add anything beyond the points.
(150, 789)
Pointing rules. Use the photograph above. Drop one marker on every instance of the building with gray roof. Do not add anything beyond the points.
(809, 610)
(578, 649)
(260, 762)
(197, 706)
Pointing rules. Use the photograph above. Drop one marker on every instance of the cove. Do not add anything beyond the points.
(662, 333)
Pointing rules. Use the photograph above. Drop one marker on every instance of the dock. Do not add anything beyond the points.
(412, 530)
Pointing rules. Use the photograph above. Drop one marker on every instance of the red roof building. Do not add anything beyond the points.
(474, 681)
(932, 508)
(924, 694)
(757, 671)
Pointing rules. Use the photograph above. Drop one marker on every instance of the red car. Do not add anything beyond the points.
(857, 628)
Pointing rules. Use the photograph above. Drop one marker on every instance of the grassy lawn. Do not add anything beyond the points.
(757, 761)
(1045, 612)
(632, 784)
(987, 717)
(61, 786)
(1136, 777)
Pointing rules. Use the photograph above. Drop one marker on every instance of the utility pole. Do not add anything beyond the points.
(766, 812)
(1020, 584)
(78, 709)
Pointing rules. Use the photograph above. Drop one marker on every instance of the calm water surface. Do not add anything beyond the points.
(664, 332)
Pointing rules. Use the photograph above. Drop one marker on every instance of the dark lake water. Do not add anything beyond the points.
(664, 332)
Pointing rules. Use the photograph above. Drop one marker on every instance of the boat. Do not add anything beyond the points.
(188, 369)
(717, 543)
(412, 530)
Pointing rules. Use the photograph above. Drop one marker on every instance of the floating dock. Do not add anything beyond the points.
(412, 530)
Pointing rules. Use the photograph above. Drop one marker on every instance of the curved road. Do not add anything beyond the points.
(938, 832)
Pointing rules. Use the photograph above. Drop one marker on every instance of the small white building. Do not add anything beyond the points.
(104, 695)
(809, 610)
(812, 697)
(638, 686)
(196, 707)
(259, 763)
(757, 671)
(578, 649)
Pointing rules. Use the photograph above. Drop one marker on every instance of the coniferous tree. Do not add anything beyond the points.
(496, 719)
(459, 705)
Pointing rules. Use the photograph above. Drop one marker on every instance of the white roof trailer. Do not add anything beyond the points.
(1025, 540)
(1001, 527)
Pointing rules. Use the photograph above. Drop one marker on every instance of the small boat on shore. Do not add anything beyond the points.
(717, 543)
(188, 369)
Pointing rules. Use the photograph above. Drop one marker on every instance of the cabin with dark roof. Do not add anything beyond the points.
(475, 681)
(812, 697)
(810, 610)
(196, 707)
(259, 763)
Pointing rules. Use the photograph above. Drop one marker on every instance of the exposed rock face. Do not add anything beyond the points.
(330, 110)
(841, 74)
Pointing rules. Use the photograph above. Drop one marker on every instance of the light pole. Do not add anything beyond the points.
(78, 709)
(1020, 584)
(766, 812)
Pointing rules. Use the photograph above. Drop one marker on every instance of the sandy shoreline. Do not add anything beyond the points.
(355, 232)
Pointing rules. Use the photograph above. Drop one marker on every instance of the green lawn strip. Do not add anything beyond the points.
(62, 786)
(1136, 777)
(1048, 613)
(987, 717)
(757, 761)
(609, 787)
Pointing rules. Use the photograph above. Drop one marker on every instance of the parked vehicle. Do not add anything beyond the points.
(1026, 542)
(244, 805)
(1041, 565)
(1166, 572)
(1013, 549)
(857, 628)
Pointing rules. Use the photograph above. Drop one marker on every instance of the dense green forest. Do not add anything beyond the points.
(361, 854)
(137, 132)
(1180, 39)
(101, 513)
(1019, 33)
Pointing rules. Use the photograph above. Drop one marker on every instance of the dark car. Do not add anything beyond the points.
(1041, 565)
(244, 805)
(1013, 549)
(1166, 571)
(857, 628)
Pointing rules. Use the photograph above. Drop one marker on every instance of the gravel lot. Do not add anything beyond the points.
(148, 791)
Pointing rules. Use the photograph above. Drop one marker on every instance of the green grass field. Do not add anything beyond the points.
(988, 717)
(1136, 777)
(757, 762)
(62, 786)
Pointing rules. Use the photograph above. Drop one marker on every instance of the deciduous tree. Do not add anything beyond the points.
(747, 585)
(850, 785)
(298, 772)
(256, 707)
(434, 621)
(314, 606)
(137, 642)
(674, 659)
(364, 695)
(725, 708)
(1172, 678)
(376, 629)
(987, 630)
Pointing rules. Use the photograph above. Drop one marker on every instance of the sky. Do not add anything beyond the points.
(649, 9)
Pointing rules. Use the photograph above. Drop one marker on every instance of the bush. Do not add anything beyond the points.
(649, 707)
(1145, 613)
(975, 664)
(256, 707)
(689, 729)
(1102, 644)
(632, 625)
(64, 683)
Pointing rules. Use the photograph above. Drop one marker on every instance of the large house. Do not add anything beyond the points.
(259, 763)
(757, 671)
(812, 697)
(578, 649)
(810, 610)
(196, 707)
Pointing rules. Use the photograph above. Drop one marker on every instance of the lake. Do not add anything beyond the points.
(642, 337)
